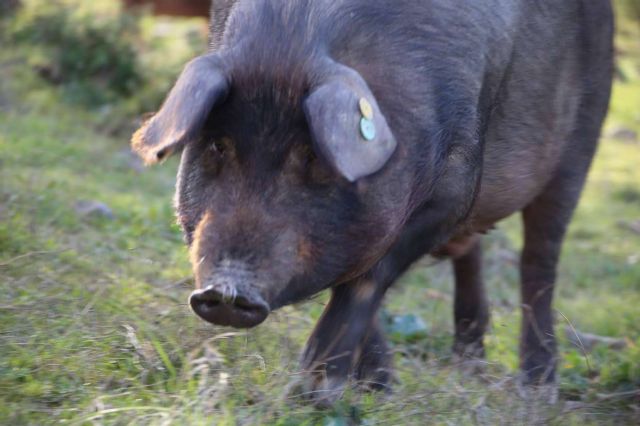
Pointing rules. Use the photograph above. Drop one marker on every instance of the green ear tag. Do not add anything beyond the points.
(367, 129)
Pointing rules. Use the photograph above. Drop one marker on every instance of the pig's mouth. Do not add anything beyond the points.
(236, 310)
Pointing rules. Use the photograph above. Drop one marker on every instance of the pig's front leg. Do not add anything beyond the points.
(334, 350)
(346, 342)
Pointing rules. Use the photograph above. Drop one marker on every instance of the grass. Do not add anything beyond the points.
(94, 326)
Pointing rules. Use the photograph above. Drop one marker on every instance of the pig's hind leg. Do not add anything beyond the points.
(471, 312)
(545, 223)
(546, 220)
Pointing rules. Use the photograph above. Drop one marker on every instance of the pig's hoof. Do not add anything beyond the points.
(323, 391)
(538, 369)
(469, 357)
(540, 394)
(468, 350)
(379, 380)
(375, 373)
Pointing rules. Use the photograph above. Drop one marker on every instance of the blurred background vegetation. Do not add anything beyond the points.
(99, 57)
(94, 326)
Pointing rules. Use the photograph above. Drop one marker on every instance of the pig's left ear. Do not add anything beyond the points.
(201, 86)
(347, 126)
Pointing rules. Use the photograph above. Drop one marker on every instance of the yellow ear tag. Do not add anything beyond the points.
(366, 109)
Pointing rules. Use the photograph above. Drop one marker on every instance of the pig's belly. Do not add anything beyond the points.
(525, 142)
(515, 172)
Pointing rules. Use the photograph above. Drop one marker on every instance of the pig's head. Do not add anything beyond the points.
(279, 191)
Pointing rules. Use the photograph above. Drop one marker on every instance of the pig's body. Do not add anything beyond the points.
(522, 69)
(483, 109)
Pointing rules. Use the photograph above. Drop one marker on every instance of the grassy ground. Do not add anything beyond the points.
(94, 326)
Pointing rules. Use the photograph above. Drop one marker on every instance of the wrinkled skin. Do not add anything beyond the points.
(480, 112)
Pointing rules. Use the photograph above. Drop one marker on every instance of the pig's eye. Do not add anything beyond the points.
(217, 147)
(213, 155)
(187, 233)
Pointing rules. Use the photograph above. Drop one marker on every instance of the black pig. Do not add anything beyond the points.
(332, 143)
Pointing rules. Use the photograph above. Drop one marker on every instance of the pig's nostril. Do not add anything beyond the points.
(224, 307)
(206, 297)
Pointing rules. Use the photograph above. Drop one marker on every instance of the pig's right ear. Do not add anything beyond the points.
(347, 126)
(201, 86)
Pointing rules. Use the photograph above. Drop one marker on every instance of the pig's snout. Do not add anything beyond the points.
(224, 305)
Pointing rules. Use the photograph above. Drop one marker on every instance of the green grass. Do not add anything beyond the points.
(94, 326)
